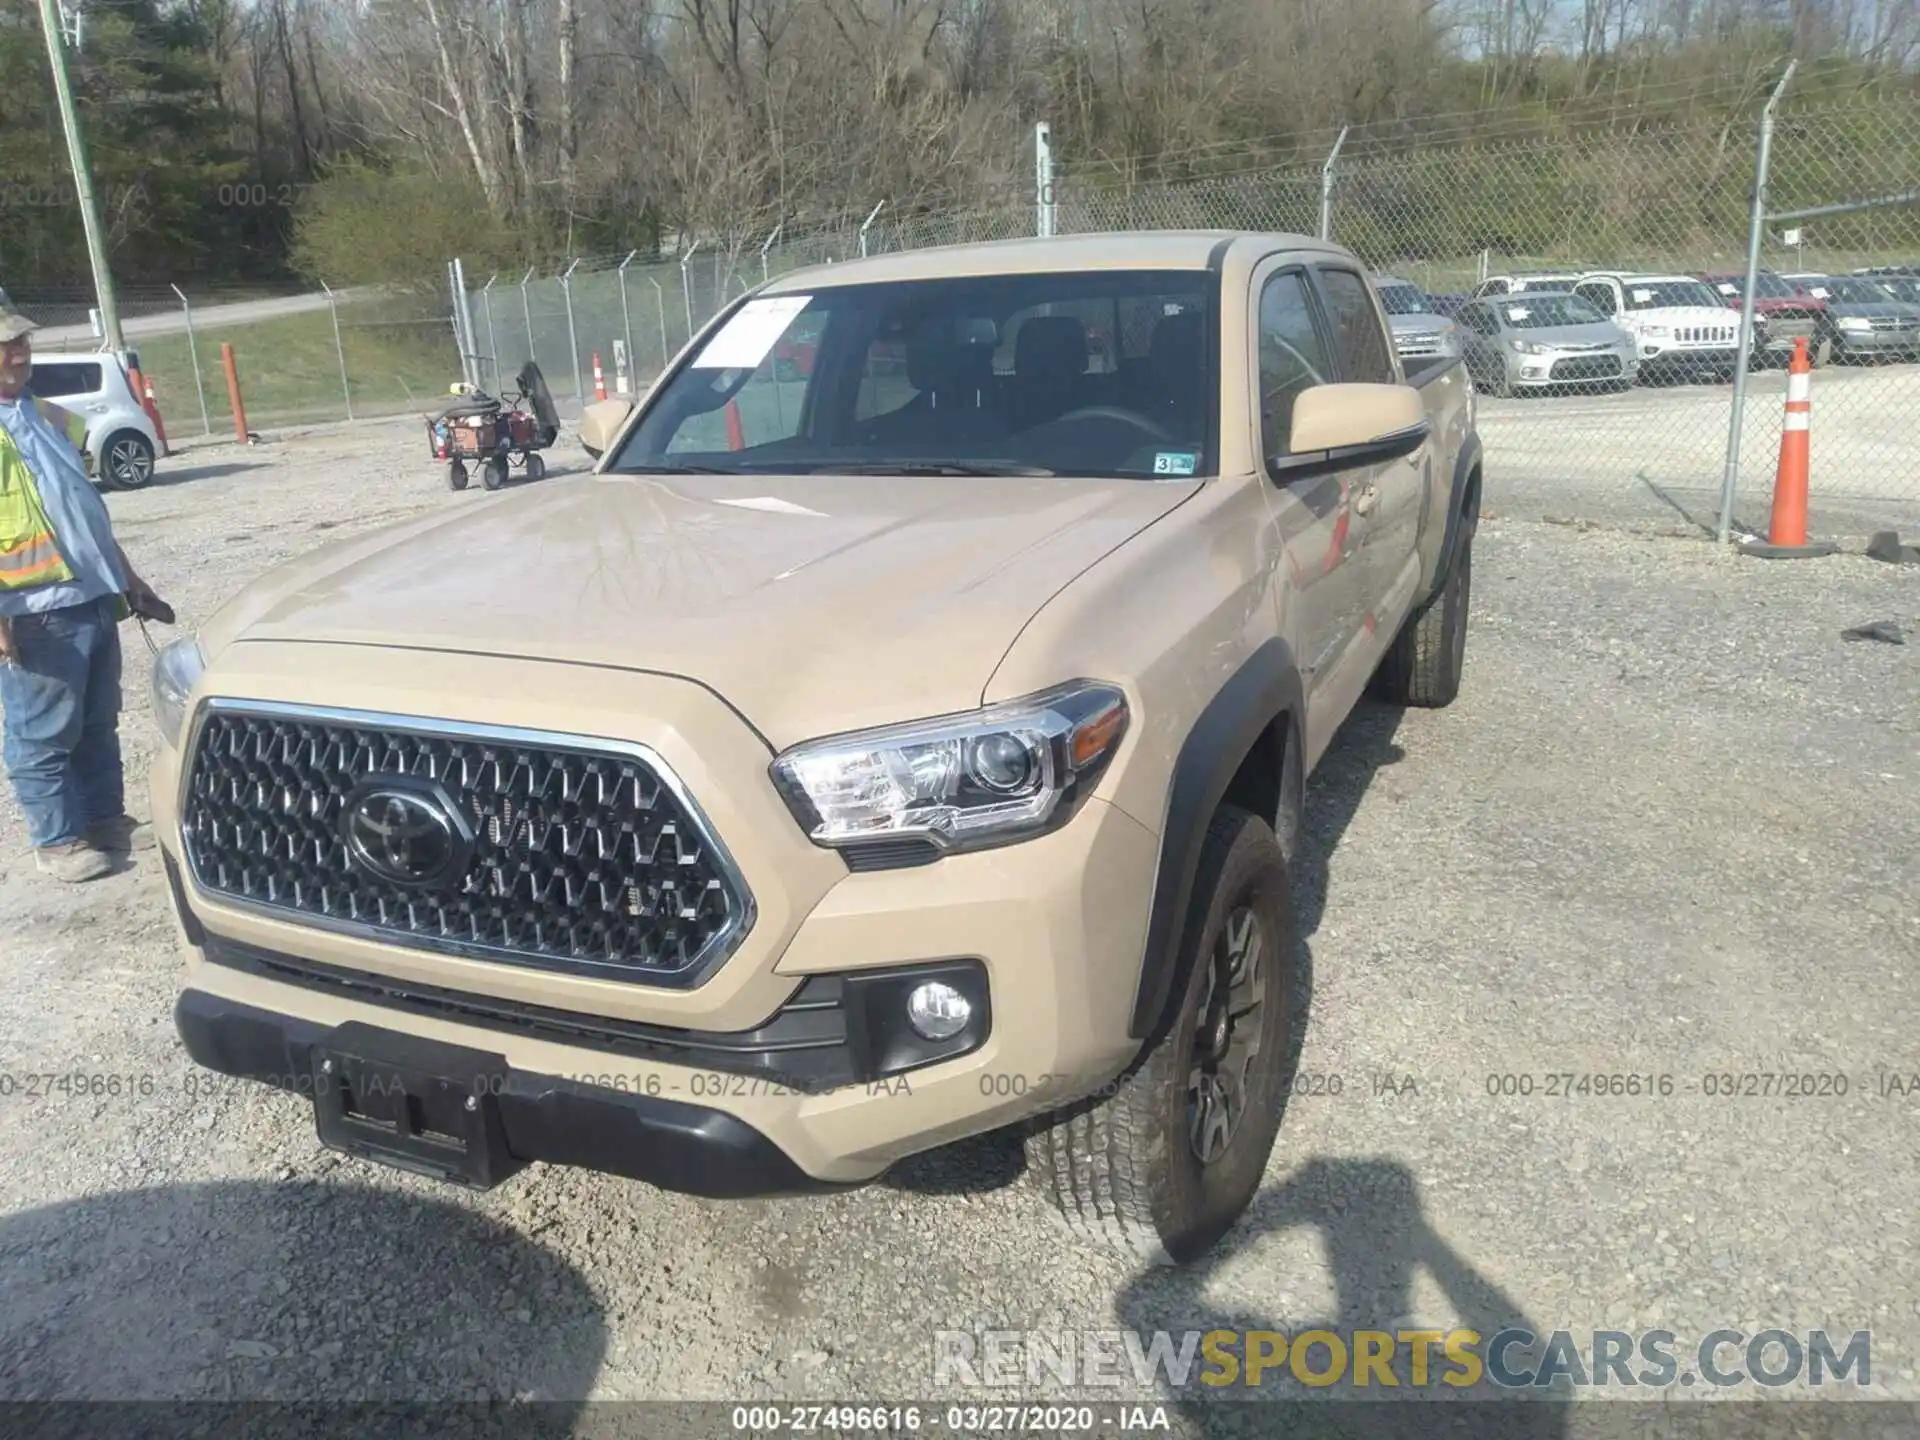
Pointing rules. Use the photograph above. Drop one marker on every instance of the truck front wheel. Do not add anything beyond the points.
(1161, 1163)
(1424, 664)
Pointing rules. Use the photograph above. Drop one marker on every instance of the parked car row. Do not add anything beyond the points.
(1600, 329)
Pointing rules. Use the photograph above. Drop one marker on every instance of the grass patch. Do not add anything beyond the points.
(290, 369)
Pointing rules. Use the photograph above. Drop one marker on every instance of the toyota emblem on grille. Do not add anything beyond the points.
(405, 835)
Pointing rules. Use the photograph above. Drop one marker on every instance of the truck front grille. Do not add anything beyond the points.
(581, 855)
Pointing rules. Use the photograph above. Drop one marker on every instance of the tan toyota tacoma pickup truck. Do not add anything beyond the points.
(879, 747)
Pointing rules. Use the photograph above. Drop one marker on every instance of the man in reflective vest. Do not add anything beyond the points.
(65, 585)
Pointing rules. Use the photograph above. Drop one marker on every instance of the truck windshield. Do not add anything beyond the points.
(1403, 300)
(1540, 312)
(1852, 290)
(1663, 294)
(1088, 373)
(1766, 286)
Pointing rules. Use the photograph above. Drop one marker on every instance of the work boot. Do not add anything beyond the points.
(72, 862)
(120, 834)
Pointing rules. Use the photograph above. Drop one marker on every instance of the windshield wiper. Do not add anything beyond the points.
(936, 467)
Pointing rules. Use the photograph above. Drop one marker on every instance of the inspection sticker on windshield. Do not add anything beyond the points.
(743, 342)
(1518, 312)
(1641, 297)
(1175, 462)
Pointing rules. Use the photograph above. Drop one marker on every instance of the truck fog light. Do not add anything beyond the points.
(937, 1011)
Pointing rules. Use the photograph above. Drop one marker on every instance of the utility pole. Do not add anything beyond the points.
(82, 177)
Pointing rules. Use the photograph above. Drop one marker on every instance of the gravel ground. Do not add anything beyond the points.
(1669, 829)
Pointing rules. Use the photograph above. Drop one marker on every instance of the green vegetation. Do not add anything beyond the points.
(289, 370)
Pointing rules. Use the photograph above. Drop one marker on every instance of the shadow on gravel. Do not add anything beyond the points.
(293, 1292)
(1372, 1227)
(1375, 1236)
(163, 476)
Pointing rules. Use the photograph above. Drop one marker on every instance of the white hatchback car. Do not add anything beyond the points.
(121, 440)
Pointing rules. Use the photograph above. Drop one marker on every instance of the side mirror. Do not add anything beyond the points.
(1340, 427)
(600, 422)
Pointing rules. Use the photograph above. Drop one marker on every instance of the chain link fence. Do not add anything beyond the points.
(298, 358)
(1607, 381)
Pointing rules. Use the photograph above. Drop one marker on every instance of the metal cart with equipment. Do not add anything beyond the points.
(494, 433)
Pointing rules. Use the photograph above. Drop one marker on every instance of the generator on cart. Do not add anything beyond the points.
(495, 433)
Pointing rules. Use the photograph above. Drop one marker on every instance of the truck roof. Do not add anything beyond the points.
(1103, 250)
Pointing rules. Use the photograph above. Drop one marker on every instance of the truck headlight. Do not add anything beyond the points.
(1657, 332)
(959, 782)
(176, 670)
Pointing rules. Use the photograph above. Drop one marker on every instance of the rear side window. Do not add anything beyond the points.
(51, 380)
(1292, 357)
(1362, 343)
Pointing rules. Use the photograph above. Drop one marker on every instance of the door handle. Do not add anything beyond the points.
(1364, 502)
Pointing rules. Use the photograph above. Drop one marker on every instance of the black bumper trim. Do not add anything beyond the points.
(833, 1031)
(689, 1149)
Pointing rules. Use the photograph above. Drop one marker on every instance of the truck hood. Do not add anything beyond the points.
(811, 604)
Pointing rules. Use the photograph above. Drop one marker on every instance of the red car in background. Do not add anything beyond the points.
(1783, 311)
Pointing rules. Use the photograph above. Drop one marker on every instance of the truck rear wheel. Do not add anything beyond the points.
(1424, 664)
(1161, 1163)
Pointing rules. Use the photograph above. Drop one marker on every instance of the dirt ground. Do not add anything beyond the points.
(1669, 828)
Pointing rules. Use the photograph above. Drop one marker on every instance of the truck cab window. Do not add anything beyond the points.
(1291, 357)
(1364, 352)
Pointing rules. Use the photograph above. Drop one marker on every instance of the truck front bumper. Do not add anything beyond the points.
(517, 1116)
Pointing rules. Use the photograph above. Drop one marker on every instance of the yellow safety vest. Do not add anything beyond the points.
(29, 552)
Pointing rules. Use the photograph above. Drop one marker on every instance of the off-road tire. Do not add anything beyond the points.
(1424, 664)
(1119, 1166)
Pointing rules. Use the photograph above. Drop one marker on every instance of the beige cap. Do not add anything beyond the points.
(12, 323)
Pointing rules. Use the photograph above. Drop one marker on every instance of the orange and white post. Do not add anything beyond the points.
(1789, 523)
(599, 379)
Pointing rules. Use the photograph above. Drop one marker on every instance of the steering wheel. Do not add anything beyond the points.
(1112, 412)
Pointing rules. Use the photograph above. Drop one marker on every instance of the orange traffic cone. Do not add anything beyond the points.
(1787, 529)
(599, 380)
(153, 411)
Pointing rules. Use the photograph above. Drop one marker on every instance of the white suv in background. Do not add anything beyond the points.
(121, 440)
(1680, 326)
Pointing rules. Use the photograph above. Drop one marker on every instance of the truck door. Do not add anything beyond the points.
(1388, 496)
(1312, 515)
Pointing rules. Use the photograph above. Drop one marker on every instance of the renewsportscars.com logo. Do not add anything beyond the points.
(1385, 1360)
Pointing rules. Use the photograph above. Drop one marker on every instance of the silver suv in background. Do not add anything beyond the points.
(121, 440)
(1419, 331)
(1866, 319)
(1545, 341)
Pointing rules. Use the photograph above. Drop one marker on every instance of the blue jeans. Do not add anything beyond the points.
(62, 701)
